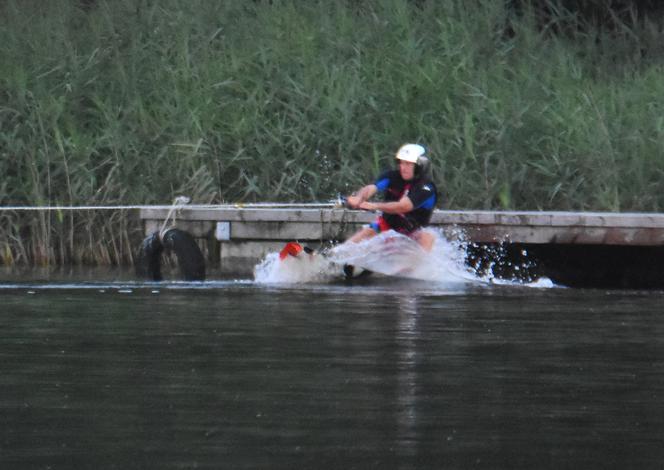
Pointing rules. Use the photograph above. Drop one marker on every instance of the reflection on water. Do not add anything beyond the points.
(406, 342)
(380, 374)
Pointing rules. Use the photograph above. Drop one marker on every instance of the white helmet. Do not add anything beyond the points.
(410, 153)
(415, 153)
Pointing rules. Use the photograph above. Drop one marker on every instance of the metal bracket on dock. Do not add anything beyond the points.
(223, 231)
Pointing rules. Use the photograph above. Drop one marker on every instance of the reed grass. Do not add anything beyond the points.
(137, 101)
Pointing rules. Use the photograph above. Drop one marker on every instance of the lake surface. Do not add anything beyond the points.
(383, 373)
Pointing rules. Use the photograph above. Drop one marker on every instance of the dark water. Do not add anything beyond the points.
(387, 374)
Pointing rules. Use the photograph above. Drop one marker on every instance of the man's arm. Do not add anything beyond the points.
(401, 206)
(365, 193)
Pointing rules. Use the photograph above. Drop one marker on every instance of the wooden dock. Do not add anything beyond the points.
(283, 224)
(241, 236)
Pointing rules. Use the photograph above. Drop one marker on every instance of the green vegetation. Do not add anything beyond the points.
(137, 101)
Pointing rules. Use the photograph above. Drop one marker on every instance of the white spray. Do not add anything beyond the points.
(389, 253)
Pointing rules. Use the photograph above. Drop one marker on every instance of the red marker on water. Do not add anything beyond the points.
(291, 248)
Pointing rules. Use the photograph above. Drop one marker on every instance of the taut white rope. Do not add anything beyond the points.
(237, 205)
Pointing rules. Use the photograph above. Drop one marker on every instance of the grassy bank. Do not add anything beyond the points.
(136, 101)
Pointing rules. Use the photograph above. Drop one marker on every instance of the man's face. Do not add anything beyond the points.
(407, 170)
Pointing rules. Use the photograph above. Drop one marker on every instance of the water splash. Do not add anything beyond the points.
(302, 269)
(393, 254)
(388, 254)
(497, 264)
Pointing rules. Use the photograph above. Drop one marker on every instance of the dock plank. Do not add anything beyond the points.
(641, 229)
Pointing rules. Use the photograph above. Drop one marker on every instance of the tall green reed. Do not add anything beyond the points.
(137, 101)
